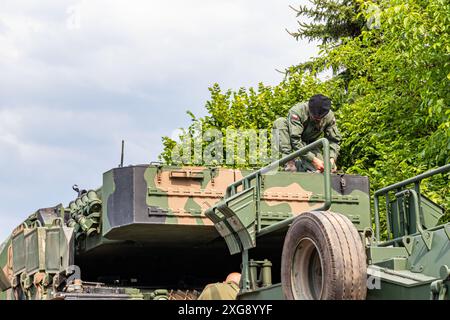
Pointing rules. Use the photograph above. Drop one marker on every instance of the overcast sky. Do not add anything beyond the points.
(77, 77)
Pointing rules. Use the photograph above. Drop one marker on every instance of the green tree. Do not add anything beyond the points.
(329, 20)
(392, 101)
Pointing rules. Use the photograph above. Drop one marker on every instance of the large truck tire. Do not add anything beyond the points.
(323, 258)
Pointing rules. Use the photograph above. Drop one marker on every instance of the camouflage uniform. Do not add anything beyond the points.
(220, 291)
(299, 130)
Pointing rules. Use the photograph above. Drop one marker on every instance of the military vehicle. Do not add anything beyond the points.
(164, 232)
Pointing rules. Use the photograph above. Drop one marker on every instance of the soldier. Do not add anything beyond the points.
(226, 290)
(306, 122)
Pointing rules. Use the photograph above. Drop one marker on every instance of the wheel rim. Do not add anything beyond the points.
(307, 271)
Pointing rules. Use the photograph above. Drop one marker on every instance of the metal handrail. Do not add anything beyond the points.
(397, 186)
(246, 182)
(418, 178)
(416, 209)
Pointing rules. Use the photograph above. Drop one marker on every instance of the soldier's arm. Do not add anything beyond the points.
(334, 137)
(206, 293)
(295, 122)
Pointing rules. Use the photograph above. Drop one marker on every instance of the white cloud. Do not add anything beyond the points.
(72, 87)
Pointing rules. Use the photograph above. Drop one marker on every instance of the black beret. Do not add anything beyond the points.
(319, 105)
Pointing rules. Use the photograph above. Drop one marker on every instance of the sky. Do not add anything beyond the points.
(77, 77)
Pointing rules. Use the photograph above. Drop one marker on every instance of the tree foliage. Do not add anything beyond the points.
(391, 96)
(329, 20)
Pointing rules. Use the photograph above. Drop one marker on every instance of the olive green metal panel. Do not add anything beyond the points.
(180, 195)
(59, 251)
(404, 278)
(32, 251)
(66, 247)
(273, 292)
(397, 218)
(34, 248)
(395, 263)
(379, 254)
(243, 218)
(408, 201)
(430, 261)
(108, 188)
(285, 194)
(402, 219)
(243, 205)
(392, 291)
(161, 199)
(52, 250)
(18, 245)
(398, 284)
(407, 273)
(432, 212)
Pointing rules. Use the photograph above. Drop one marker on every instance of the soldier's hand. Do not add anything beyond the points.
(290, 166)
(333, 165)
(318, 164)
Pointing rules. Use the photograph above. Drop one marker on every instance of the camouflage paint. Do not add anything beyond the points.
(287, 194)
(5, 264)
(183, 200)
(107, 189)
(152, 200)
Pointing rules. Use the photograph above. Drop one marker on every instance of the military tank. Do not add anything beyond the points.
(160, 232)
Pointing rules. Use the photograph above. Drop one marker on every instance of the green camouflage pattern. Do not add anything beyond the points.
(220, 291)
(160, 228)
(298, 130)
(161, 206)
